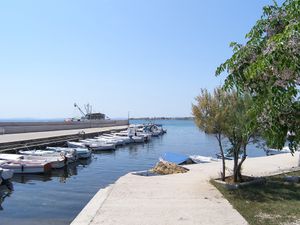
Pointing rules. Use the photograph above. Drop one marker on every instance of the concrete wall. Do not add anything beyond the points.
(24, 127)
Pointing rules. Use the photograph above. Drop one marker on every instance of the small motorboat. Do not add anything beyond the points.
(226, 156)
(110, 140)
(125, 139)
(98, 146)
(25, 166)
(272, 151)
(55, 161)
(138, 139)
(70, 156)
(82, 153)
(203, 159)
(73, 144)
(176, 158)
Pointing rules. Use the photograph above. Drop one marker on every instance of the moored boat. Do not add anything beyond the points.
(56, 162)
(25, 166)
(82, 153)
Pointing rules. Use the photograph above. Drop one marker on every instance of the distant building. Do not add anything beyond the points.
(94, 116)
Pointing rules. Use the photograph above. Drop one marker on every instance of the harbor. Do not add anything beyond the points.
(60, 195)
(68, 172)
(150, 112)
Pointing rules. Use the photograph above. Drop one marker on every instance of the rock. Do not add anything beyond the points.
(164, 168)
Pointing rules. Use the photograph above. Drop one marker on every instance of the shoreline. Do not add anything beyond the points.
(175, 199)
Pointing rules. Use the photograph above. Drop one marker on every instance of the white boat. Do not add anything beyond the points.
(70, 155)
(147, 136)
(56, 162)
(25, 166)
(125, 139)
(6, 174)
(82, 153)
(73, 144)
(203, 159)
(111, 140)
(137, 139)
(272, 151)
(98, 146)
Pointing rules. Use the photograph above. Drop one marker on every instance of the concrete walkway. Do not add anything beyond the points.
(8, 138)
(174, 199)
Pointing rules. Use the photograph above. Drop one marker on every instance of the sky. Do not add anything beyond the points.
(145, 57)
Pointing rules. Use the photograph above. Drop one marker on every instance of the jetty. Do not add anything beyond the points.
(24, 135)
(187, 198)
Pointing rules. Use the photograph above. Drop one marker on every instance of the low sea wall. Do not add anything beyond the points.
(25, 127)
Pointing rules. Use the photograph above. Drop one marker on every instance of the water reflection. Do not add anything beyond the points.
(5, 191)
(63, 174)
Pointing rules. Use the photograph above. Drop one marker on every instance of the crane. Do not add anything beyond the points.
(76, 106)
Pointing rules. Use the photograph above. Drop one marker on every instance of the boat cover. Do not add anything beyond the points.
(176, 158)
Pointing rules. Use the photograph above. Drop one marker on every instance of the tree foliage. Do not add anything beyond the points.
(210, 116)
(227, 114)
(268, 67)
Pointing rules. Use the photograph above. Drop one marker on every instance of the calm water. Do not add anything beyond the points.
(60, 196)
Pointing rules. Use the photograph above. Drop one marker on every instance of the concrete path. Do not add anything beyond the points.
(8, 138)
(174, 199)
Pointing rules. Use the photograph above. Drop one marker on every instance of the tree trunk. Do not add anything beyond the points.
(223, 157)
(236, 150)
(241, 163)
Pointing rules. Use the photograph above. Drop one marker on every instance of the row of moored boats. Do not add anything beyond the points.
(44, 160)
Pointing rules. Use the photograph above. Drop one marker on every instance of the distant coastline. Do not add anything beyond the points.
(162, 118)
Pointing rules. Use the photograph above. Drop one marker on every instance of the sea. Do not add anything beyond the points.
(57, 198)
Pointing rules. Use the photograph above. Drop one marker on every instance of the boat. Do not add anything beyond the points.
(98, 146)
(176, 158)
(226, 156)
(25, 166)
(272, 151)
(110, 140)
(82, 153)
(132, 135)
(203, 159)
(70, 156)
(56, 162)
(73, 144)
(125, 139)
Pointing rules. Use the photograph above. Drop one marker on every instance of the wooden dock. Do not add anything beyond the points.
(15, 142)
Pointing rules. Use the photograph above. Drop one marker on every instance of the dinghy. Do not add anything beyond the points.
(98, 146)
(203, 159)
(25, 166)
(56, 162)
(82, 153)
(70, 156)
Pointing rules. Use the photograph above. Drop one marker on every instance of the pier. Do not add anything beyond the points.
(187, 198)
(17, 141)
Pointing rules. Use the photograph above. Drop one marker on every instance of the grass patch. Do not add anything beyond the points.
(273, 203)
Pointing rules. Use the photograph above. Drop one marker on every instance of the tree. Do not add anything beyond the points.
(210, 116)
(268, 67)
(241, 129)
(227, 114)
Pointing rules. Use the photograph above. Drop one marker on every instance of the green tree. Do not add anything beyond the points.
(210, 116)
(227, 115)
(268, 67)
(241, 129)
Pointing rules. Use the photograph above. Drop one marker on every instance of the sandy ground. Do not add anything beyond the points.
(175, 199)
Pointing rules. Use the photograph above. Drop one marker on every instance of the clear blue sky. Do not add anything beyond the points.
(149, 57)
